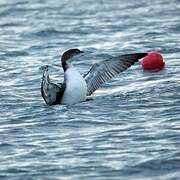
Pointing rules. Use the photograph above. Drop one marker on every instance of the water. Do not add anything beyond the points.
(130, 130)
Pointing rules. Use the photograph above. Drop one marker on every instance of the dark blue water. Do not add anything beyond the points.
(131, 128)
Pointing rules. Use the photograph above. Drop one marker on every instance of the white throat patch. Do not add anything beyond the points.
(76, 87)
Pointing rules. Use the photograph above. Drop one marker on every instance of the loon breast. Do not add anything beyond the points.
(76, 87)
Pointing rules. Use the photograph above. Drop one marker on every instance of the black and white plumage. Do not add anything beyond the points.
(76, 87)
(106, 70)
(51, 92)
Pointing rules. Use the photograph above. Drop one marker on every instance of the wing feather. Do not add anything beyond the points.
(106, 70)
(51, 92)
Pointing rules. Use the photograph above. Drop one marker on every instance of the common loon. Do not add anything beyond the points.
(75, 87)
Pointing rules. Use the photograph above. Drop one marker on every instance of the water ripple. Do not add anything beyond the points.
(130, 128)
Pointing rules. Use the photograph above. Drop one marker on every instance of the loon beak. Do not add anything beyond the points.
(81, 53)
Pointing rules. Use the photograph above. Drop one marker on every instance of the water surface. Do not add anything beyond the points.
(130, 130)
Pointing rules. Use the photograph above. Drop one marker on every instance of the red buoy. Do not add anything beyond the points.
(153, 62)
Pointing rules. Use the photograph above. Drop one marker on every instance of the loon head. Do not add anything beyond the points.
(68, 56)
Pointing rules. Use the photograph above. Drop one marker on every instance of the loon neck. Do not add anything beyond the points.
(66, 65)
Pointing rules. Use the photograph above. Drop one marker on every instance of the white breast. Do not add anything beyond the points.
(76, 87)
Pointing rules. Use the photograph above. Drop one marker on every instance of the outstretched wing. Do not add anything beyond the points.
(106, 70)
(51, 92)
